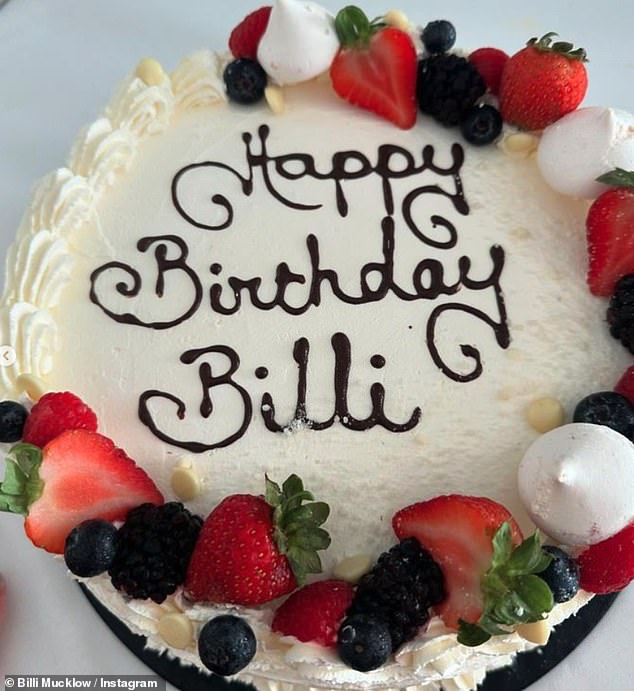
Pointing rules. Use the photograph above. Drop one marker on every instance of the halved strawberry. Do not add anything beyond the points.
(375, 68)
(313, 613)
(490, 63)
(610, 232)
(608, 566)
(246, 37)
(78, 476)
(458, 532)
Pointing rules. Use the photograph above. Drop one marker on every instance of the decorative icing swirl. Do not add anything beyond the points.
(100, 153)
(61, 203)
(141, 109)
(37, 269)
(196, 81)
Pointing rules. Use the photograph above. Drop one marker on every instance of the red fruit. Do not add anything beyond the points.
(246, 37)
(55, 413)
(625, 385)
(610, 233)
(541, 83)
(238, 558)
(78, 476)
(490, 63)
(313, 613)
(457, 531)
(608, 566)
(380, 76)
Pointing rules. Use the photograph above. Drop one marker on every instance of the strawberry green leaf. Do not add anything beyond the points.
(21, 485)
(545, 45)
(353, 27)
(528, 558)
(618, 178)
(535, 593)
(502, 545)
(296, 531)
(471, 634)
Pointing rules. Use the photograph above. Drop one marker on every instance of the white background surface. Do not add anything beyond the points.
(59, 63)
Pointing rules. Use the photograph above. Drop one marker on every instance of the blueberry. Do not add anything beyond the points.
(245, 81)
(12, 419)
(226, 645)
(364, 642)
(608, 409)
(562, 575)
(481, 125)
(90, 548)
(439, 36)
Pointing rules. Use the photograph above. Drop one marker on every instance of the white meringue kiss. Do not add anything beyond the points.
(299, 43)
(577, 483)
(583, 145)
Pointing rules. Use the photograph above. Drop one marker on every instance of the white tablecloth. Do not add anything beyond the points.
(59, 62)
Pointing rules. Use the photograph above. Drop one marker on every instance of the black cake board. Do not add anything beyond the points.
(527, 668)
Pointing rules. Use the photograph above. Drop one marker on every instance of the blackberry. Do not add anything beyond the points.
(154, 548)
(621, 312)
(561, 575)
(609, 409)
(448, 87)
(12, 419)
(245, 81)
(400, 589)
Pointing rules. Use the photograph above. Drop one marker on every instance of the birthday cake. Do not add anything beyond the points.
(243, 279)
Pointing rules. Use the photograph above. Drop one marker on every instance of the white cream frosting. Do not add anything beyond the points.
(576, 483)
(299, 43)
(581, 146)
(471, 436)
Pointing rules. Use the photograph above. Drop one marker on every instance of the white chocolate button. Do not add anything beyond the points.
(545, 414)
(397, 19)
(150, 71)
(537, 632)
(275, 98)
(351, 569)
(176, 630)
(32, 386)
(520, 144)
(185, 483)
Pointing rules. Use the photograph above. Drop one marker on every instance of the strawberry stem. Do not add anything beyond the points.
(545, 45)
(296, 525)
(353, 27)
(21, 485)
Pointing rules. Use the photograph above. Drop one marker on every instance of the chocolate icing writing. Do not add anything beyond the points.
(343, 362)
(163, 265)
(208, 381)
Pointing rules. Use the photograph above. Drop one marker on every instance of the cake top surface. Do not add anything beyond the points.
(474, 173)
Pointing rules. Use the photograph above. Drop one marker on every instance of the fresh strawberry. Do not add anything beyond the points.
(608, 566)
(491, 579)
(542, 82)
(246, 37)
(313, 613)
(375, 68)
(490, 63)
(55, 413)
(625, 385)
(610, 233)
(78, 476)
(254, 549)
